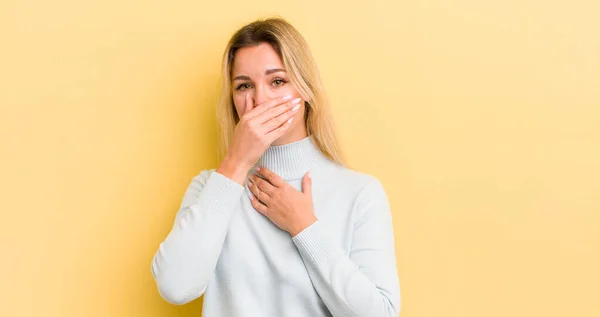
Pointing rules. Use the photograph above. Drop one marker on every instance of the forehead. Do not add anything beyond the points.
(255, 60)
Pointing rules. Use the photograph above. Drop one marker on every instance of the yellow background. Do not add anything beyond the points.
(481, 119)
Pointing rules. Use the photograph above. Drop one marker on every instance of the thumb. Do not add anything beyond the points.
(307, 184)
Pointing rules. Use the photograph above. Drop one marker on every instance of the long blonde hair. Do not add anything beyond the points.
(304, 75)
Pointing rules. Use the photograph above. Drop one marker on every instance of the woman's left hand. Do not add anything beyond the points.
(288, 208)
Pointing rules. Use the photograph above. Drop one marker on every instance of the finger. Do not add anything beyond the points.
(284, 108)
(279, 131)
(259, 195)
(273, 178)
(307, 184)
(275, 122)
(268, 105)
(260, 207)
(264, 186)
(252, 187)
(249, 102)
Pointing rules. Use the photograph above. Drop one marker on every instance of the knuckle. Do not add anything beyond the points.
(255, 133)
(248, 124)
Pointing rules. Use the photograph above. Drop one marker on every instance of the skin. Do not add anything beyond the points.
(265, 101)
(259, 76)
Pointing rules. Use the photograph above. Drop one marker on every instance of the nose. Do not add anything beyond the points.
(261, 94)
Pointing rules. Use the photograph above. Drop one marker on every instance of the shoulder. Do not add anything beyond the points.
(197, 184)
(200, 179)
(363, 186)
(355, 178)
(204, 175)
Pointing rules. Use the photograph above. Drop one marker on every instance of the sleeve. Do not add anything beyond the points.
(364, 282)
(186, 259)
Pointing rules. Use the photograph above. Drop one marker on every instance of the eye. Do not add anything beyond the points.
(243, 86)
(278, 82)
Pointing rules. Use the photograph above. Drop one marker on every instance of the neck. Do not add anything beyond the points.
(292, 160)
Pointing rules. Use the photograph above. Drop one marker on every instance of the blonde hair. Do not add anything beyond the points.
(304, 75)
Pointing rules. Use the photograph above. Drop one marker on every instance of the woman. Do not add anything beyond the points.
(300, 236)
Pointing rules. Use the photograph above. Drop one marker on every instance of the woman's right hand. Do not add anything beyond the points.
(255, 132)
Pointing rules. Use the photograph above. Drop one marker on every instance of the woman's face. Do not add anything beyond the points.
(258, 71)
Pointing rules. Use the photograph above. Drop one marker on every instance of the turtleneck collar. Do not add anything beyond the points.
(291, 161)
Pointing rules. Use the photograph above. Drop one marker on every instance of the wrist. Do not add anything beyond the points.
(234, 169)
(295, 230)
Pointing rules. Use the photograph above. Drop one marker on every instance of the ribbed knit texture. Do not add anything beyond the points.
(344, 264)
(291, 161)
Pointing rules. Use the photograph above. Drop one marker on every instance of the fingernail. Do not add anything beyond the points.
(257, 168)
(309, 176)
(287, 97)
(297, 100)
(296, 108)
(290, 121)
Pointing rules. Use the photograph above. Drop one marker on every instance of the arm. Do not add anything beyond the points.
(186, 259)
(365, 282)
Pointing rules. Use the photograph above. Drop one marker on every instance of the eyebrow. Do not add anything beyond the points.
(268, 72)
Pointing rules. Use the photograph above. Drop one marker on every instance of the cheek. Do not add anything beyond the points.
(239, 102)
(299, 116)
(287, 89)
